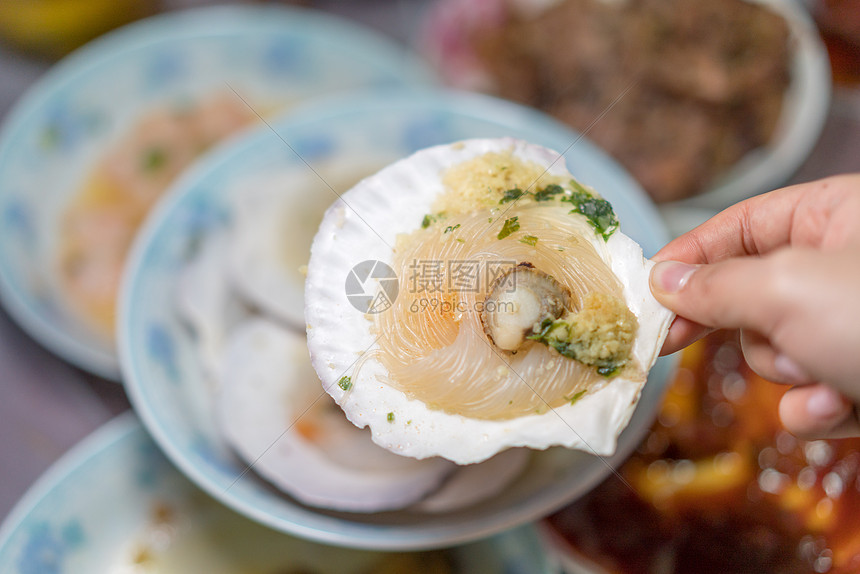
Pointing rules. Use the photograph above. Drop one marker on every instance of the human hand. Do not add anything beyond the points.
(784, 268)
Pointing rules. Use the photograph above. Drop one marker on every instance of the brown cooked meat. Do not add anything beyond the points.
(702, 80)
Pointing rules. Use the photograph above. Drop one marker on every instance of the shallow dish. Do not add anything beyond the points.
(165, 377)
(269, 57)
(806, 100)
(115, 504)
(806, 103)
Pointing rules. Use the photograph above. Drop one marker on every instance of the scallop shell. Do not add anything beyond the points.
(275, 216)
(206, 303)
(475, 483)
(272, 411)
(364, 225)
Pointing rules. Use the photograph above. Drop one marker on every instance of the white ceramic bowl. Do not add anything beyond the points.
(805, 104)
(805, 107)
(271, 56)
(163, 372)
(114, 500)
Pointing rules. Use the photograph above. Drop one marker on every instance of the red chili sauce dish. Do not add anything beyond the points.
(719, 487)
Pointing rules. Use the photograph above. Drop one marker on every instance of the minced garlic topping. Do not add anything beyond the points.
(480, 182)
(604, 330)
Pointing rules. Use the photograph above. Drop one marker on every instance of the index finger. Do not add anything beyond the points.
(804, 215)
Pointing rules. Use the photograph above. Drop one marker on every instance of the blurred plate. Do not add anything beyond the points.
(115, 504)
(805, 103)
(164, 373)
(805, 108)
(271, 57)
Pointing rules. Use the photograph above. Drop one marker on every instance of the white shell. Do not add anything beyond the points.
(475, 483)
(267, 386)
(275, 215)
(205, 303)
(363, 225)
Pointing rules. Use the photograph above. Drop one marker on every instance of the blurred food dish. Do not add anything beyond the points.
(100, 222)
(90, 148)
(719, 486)
(712, 101)
(114, 504)
(178, 341)
(53, 28)
(839, 22)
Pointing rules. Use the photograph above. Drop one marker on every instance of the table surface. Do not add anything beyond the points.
(46, 405)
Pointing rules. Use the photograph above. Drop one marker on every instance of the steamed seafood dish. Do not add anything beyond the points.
(677, 91)
(99, 224)
(502, 307)
(718, 485)
(240, 294)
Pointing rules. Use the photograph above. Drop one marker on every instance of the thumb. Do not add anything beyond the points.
(802, 301)
(743, 293)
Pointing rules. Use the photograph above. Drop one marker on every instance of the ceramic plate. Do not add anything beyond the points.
(115, 504)
(163, 371)
(270, 57)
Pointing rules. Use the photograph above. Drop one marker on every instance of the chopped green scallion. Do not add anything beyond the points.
(154, 159)
(549, 192)
(345, 383)
(576, 396)
(511, 225)
(512, 195)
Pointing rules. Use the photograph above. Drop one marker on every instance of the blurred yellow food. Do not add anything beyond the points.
(724, 490)
(690, 483)
(56, 27)
(100, 222)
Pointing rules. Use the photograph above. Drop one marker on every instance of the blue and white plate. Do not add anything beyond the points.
(271, 56)
(163, 371)
(115, 504)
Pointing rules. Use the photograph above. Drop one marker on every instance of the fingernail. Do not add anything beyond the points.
(789, 370)
(671, 276)
(825, 403)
